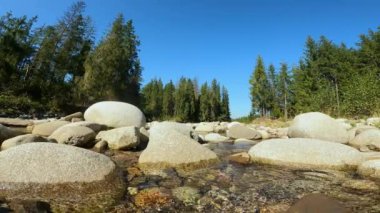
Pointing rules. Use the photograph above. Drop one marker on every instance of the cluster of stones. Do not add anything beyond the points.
(50, 160)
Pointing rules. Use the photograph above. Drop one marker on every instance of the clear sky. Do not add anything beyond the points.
(220, 39)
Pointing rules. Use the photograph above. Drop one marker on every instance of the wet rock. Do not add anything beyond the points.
(188, 195)
(153, 197)
(133, 190)
(317, 125)
(59, 174)
(74, 135)
(243, 141)
(47, 128)
(306, 153)
(6, 133)
(242, 158)
(115, 114)
(22, 139)
(169, 148)
(239, 131)
(370, 168)
(215, 137)
(317, 203)
(120, 138)
(369, 139)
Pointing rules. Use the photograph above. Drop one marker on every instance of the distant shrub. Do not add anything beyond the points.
(11, 105)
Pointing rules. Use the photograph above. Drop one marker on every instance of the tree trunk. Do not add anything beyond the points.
(337, 97)
(285, 108)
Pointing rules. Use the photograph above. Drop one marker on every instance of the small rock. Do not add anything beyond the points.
(71, 116)
(239, 131)
(133, 190)
(241, 158)
(120, 138)
(370, 168)
(47, 128)
(153, 197)
(369, 138)
(6, 133)
(100, 147)
(74, 135)
(22, 139)
(205, 127)
(188, 195)
(215, 137)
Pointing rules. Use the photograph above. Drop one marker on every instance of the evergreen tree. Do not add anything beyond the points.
(273, 95)
(168, 104)
(113, 70)
(204, 103)
(58, 63)
(185, 101)
(283, 89)
(17, 44)
(152, 95)
(215, 100)
(259, 88)
(225, 106)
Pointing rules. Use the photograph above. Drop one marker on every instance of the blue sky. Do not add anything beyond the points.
(220, 39)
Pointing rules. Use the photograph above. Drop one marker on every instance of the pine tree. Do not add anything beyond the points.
(152, 95)
(58, 64)
(168, 104)
(185, 101)
(204, 103)
(273, 95)
(283, 88)
(215, 100)
(113, 70)
(259, 88)
(17, 45)
(225, 106)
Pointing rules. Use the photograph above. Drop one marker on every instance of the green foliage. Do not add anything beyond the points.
(259, 90)
(168, 101)
(152, 95)
(185, 103)
(113, 70)
(12, 105)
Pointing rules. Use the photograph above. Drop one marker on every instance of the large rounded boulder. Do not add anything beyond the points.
(60, 175)
(115, 114)
(169, 148)
(47, 128)
(306, 153)
(318, 126)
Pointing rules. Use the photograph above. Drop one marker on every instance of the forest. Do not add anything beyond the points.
(61, 68)
(330, 78)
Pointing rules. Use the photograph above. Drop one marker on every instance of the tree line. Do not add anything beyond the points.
(59, 68)
(185, 101)
(330, 78)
